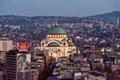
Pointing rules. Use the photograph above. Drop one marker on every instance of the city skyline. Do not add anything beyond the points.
(79, 8)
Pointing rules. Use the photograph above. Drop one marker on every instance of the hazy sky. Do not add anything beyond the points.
(58, 7)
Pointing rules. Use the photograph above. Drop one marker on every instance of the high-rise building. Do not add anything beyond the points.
(11, 65)
(18, 65)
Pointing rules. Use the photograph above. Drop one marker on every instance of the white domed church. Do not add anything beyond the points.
(57, 43)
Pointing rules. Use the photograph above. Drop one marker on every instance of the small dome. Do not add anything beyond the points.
(56, 30)
(53, 44)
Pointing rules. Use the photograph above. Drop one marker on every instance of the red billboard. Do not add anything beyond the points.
(23, 46)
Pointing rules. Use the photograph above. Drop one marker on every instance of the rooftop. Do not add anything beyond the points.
(56, 30)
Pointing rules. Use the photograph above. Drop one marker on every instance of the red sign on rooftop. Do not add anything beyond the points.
(23, 46)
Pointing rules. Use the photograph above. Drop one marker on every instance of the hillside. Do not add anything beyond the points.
(114, 14)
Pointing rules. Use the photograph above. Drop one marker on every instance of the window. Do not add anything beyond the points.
(64, 44)
(43, 44)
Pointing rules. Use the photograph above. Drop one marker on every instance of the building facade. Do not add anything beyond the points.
(6, 44)
(57, 44)
(18, 65)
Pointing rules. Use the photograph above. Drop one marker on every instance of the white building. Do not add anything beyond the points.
(57, 43)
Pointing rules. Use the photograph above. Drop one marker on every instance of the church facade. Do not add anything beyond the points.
(56, 44)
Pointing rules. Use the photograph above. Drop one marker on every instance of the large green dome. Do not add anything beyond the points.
(56, 30)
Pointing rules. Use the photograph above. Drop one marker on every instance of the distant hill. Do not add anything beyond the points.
(114, 14)
(22, 20)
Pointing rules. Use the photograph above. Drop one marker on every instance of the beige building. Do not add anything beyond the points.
(57, 44)
(6, 44)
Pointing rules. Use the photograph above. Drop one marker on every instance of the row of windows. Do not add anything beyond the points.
(10, 63)
(11, 70)
(4, 42)
(56, 36)
(9, 67)
(4, 45)
(11, 54)
(4, 49)
(71, 48)
(11, 59)
(11, 77)
(55, 49)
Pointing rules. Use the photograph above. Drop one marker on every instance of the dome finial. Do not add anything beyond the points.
(56, 23)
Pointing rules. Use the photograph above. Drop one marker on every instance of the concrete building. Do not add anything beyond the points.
(6, 44)
(18, 65)
(37, 66)
(57, 44)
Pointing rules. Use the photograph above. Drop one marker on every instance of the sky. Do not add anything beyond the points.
(79, 8)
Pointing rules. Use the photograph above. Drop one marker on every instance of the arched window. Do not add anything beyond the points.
(64, 44)
(43, 44)
(51, 53)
